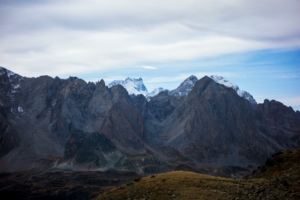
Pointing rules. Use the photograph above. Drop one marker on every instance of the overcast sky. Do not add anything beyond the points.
(255, 44)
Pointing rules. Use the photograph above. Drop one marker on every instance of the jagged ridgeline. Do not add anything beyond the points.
(208, 125)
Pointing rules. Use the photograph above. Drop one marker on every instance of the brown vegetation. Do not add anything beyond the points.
(278, 179)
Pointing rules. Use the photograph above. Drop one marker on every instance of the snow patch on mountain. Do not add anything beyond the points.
(20, 109)
(1, 71)
(185, 87)
(132, 85)
(16, 86)
(10, 73)
(155, 92)
(11, 84)
(241, 93)
(136, 86)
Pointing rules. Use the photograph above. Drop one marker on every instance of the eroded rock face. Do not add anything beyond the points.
(124, 125)
(88, 149)
(8, 136)
(278, 115)
(160, 106)
(221, 125)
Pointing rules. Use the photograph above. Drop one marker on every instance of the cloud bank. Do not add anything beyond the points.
(73, 37)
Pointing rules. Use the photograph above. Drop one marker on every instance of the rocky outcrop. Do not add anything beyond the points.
(125, 126)
(8, 136)
(160, 106)
(88, 149)
(277, 115)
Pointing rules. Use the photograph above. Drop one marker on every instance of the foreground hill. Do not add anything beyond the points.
(279, 178)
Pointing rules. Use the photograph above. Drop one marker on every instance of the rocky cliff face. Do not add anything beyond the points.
(50, 122)
(89, 149)
(8, 136)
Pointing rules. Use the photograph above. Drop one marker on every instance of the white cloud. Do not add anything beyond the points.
(149, 67)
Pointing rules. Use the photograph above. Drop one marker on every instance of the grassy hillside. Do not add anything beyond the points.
(278, 179)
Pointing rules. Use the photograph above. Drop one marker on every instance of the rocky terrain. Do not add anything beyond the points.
(68, 124)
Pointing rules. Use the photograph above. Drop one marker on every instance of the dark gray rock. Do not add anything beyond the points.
(88, 148)
(8, 136)
(125, 126)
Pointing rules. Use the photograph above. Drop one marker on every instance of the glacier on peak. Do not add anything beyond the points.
(136, 86)
(132, 85)
(221, 80)
(155, 92)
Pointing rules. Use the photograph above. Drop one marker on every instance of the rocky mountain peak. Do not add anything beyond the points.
(221, 80)
(190, 80)
(132, 85)
(9, 86)
(185, 87)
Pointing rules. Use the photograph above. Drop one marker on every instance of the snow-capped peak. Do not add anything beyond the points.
(155, 92)
(132, 85)
(241, 93)
(190, 81)
(9, 74)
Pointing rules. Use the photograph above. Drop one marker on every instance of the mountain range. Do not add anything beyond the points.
(136, 87)
(201, 126)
